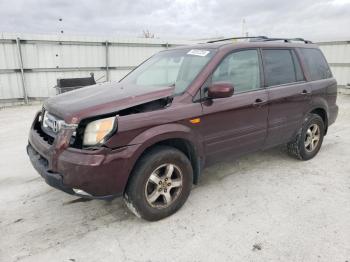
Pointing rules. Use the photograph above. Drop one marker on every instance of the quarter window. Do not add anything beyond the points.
(316, 63)
(241, 69)
(281, 67)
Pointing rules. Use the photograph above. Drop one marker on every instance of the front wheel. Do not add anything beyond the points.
(309, 139)
(160, 183)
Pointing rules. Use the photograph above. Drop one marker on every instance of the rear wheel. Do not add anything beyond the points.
(160, 183)
(309, 139)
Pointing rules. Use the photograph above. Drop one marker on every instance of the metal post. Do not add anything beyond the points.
(18, 42)
(107, 60)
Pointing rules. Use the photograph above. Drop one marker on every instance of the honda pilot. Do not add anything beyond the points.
(149, 136)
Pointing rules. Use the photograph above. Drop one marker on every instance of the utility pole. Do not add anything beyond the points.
(20, 59)
(58, 53)
(244, 29)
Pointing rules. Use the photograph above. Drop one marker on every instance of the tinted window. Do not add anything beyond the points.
(298, 72)
(281, 67)
(316, 64)
(241, 69)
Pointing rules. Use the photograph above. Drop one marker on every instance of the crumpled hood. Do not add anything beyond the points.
(102, 99)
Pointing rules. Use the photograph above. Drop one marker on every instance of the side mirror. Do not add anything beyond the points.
(220, 90)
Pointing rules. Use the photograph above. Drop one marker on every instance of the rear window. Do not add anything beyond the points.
(281, 67)
(316, 64)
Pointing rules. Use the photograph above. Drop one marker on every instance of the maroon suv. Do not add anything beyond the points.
(149, 136)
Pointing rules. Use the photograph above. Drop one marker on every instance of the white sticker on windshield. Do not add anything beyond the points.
(198, 52)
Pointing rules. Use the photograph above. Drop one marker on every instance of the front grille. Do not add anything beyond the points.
(50, 124)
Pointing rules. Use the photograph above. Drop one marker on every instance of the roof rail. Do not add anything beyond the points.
(236, 38)
(262, 38)
(288, 40)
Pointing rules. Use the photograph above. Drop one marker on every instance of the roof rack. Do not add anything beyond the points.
(236, 38)
(288, 40)
(263, 39)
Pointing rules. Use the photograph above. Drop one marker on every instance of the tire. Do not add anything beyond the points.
(159, 184)
(304, 146)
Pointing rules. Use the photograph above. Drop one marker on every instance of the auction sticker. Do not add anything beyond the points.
(198, 52)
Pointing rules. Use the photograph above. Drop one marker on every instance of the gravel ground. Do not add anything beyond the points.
(262, 207)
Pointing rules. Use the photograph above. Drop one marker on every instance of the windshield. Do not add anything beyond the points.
(176, 68)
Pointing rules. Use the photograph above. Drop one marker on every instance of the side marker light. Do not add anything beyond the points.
(195, 120)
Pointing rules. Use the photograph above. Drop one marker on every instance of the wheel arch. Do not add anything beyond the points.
(319, 106)
(321, 111)
(178, 136)
(186, 147)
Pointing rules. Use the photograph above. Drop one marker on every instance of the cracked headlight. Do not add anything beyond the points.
(97, 131)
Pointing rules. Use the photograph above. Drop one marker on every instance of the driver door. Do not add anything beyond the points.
(238, 124)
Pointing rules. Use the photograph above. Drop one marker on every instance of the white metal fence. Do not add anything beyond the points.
(31, 64)
(338, 56)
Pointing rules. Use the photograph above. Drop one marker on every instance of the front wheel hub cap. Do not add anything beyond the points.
(164, 186)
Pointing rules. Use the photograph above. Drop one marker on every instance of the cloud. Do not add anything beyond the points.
(316, 20)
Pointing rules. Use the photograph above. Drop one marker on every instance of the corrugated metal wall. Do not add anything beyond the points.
(338, 57)
(46, 58)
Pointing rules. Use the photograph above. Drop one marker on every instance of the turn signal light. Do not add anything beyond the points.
(195, 120)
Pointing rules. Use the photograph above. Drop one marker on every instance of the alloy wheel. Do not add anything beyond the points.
(164, 186)
(312, 138)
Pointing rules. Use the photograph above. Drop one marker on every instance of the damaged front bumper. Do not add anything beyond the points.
(96, 174)
(56, 180)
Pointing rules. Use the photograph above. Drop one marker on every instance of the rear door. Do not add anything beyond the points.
(288, 94)
(237, 124)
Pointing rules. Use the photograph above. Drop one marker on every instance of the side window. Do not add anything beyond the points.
(281, 67)
(241, 69)
(316, 64)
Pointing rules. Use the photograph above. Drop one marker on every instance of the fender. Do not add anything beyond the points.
(169, 131)
(161, 133)
(318, 102)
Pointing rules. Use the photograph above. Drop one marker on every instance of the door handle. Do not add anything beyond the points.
(305, 92)
(259, 102)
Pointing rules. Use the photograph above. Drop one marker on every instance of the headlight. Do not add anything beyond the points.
(96, 131)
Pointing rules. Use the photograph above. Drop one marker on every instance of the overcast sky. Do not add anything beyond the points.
(311, 19)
